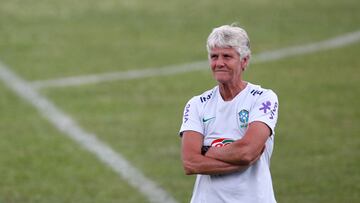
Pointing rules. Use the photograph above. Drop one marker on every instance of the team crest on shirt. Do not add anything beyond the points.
(244, 118)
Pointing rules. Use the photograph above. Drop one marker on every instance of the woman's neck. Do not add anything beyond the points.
(229, 91)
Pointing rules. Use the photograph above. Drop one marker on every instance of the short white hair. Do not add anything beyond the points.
(230, 36)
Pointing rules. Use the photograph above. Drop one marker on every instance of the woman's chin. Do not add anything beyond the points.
(221, 76)
(222, 79)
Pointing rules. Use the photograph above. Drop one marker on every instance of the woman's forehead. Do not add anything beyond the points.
(223, 50)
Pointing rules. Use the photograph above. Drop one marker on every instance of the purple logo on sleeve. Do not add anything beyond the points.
(273, 111)
(186, 113)
(265, 106)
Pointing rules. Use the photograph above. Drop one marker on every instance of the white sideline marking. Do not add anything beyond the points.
(332, 43)
(126, 75)
(68, 126)
(267, 56)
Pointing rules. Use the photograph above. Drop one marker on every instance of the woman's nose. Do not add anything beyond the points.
(220, 62)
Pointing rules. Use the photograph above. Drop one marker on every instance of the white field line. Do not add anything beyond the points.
(68, 126)
(267, 56)
(126, 75)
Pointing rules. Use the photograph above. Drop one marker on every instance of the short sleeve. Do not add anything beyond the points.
(191, 117)
(265, 110)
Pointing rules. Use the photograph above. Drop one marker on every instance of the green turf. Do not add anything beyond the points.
(317, 150)
(38, 164)
(47, 39)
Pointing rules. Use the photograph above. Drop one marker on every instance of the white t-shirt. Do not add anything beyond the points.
(222, 122)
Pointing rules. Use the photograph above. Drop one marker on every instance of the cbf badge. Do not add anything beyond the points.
(244, 118)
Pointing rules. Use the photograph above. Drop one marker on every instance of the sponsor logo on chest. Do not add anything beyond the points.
(221, 142)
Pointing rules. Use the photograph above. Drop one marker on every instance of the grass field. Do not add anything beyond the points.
(317, 147)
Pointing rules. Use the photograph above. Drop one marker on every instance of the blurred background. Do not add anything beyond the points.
(317, 146)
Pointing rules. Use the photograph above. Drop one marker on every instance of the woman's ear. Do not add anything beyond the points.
(244, 62)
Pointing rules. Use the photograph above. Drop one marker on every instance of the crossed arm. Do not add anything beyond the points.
(221, 160)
